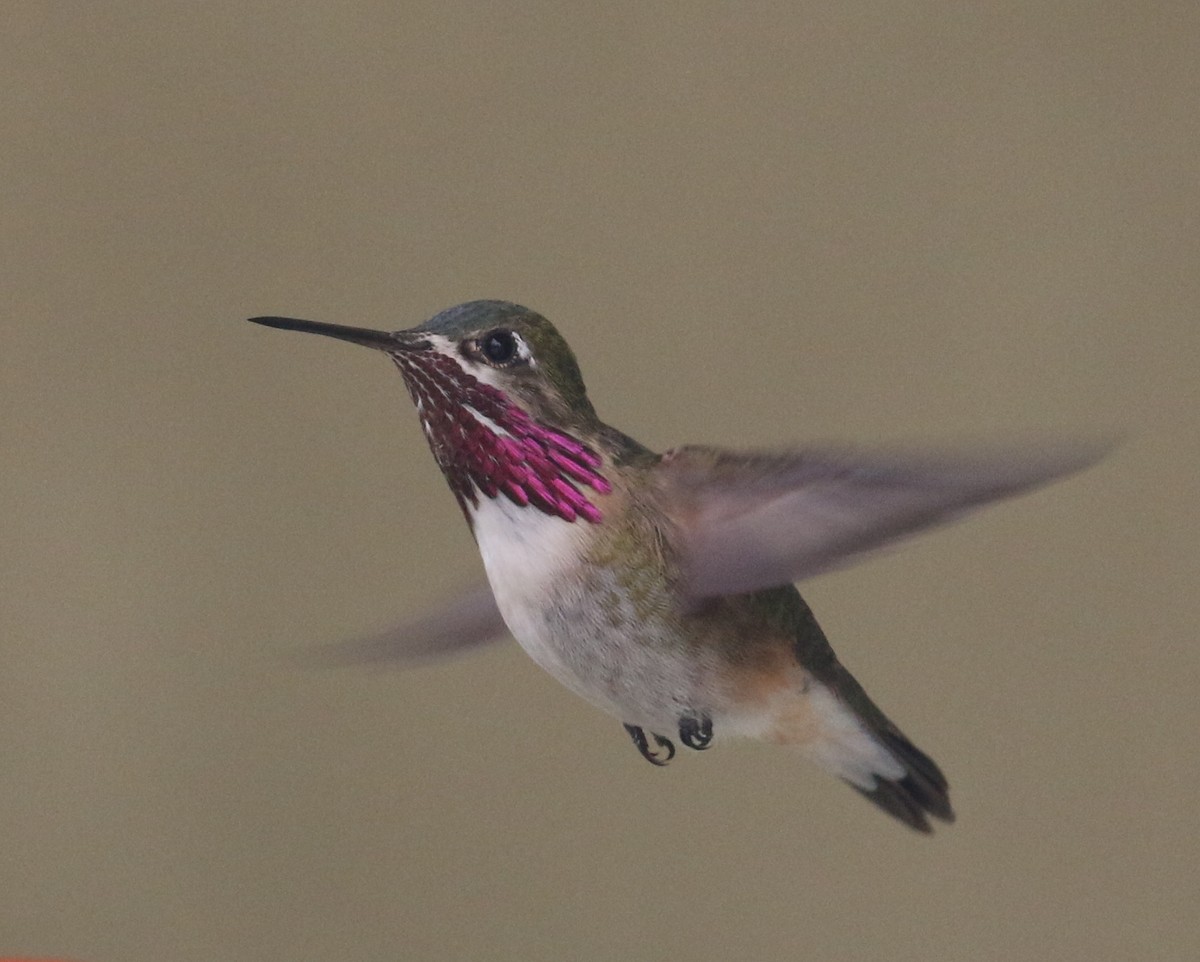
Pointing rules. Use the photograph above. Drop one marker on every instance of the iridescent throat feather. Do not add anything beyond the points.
(485, 443)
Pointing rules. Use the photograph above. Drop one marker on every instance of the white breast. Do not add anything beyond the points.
(621, 663)
(526, 554)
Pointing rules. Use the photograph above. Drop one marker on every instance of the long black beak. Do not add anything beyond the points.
(380, 340)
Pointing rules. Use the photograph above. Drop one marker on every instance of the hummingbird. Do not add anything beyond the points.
(661, 586)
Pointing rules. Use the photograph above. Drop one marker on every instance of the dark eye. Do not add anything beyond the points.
(499, 347)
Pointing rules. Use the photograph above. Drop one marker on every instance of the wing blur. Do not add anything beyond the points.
(466, 622)
(759, 520)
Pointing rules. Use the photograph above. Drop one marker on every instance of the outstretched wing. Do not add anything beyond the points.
(758, 520)
(464, 623)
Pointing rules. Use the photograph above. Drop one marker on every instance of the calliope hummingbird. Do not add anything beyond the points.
(660, 586)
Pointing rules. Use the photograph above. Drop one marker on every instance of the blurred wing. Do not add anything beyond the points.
(762, 520)
(468, 621)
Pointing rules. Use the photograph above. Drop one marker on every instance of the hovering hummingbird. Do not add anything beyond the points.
(660, 586)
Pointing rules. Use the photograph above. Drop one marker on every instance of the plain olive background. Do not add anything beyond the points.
(757, 223)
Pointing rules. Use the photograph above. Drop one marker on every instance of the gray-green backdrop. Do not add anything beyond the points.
(756, 223)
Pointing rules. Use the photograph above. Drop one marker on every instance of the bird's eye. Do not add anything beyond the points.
(499, 347)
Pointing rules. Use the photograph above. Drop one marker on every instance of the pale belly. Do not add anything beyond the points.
(579, 625)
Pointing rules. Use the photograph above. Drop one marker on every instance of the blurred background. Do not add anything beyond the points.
(756, 224)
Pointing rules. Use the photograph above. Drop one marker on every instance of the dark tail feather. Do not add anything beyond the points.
(922, 791)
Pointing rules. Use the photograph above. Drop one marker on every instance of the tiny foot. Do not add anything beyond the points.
(643, 745)
(695, 732)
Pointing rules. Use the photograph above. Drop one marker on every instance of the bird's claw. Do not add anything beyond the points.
(696, 733)
(638, 735)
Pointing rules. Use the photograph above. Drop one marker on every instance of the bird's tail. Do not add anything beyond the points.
(825, 713)
(919, 791)
(847, 735)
